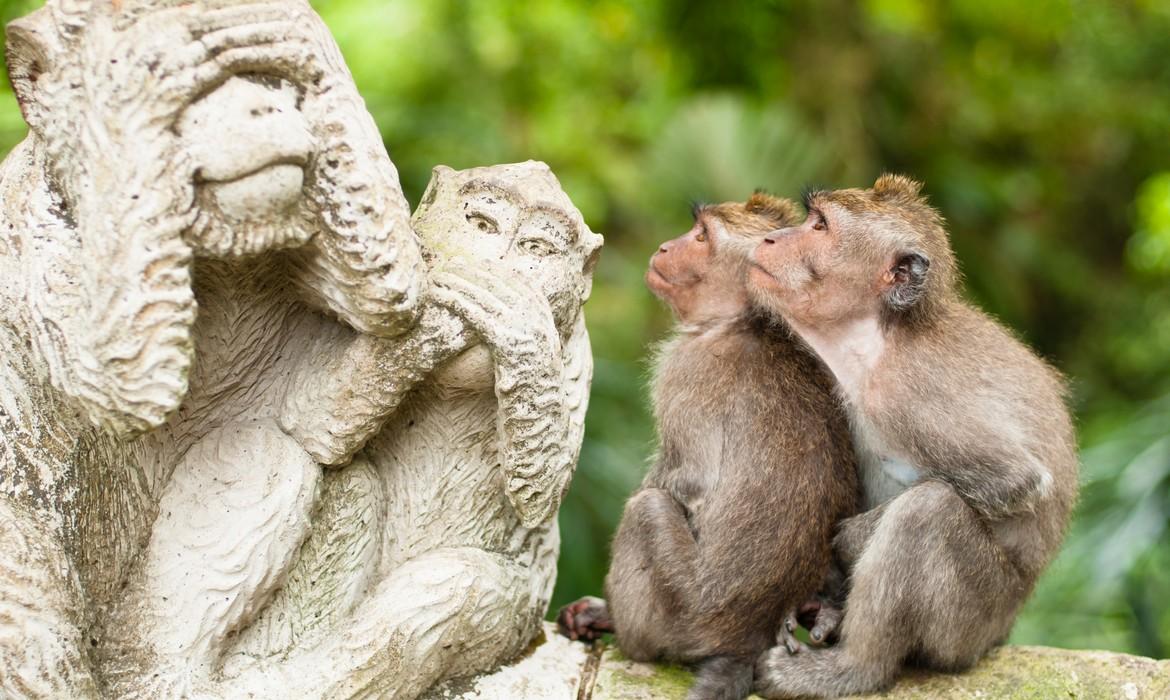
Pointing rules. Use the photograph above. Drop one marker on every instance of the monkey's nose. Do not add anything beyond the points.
(769, 239)
(662, 249)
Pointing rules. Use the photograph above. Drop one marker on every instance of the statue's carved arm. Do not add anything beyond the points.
(365, 265)
(337, 400)
(517, 324)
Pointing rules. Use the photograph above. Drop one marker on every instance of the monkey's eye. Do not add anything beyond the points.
(536, 246)
(819, 224)
(701, 236)
(483, 223)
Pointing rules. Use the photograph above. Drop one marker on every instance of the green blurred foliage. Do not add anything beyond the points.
(1041, 129)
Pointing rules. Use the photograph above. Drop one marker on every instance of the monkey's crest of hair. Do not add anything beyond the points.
(748, 222)
(780, 211)
(891, 186)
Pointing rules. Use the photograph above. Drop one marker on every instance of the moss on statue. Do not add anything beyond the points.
(1010, 673)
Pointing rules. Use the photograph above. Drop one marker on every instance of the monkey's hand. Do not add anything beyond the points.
(517, 324)
(130, 190)
(586, 619)
(821, 615)
(365, 264)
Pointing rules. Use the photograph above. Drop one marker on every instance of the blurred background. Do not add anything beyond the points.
(1041, 129)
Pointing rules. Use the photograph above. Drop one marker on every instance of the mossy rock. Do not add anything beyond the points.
(1009, 673)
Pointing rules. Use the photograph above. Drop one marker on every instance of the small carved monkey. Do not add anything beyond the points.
(732, 527)
(965, 445)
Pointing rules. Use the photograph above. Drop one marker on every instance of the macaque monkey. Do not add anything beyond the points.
(732, 527)
(965, 445)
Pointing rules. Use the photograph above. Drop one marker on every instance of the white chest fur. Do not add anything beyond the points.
(884, 473)
(851, 352)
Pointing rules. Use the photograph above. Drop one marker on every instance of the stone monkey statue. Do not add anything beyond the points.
(462, 555)
(180, 155)
(126, 210)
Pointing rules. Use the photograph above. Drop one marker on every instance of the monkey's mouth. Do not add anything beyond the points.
(278, 162)
(762, 276)
(655, 278)
(265, 190)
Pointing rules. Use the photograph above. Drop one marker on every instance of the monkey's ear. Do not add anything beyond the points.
(890, 186)
(906, 280)
(31, 47)
(777, 209)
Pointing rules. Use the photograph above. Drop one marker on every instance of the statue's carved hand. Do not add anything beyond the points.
(517, 324)
(514, 320)
(133, 194)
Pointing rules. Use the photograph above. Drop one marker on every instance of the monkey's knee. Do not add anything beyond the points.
(231, 521)
(933, 573)
(650, 505)
(853, 534)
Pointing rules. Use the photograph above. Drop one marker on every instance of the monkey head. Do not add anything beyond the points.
(516, 220)
(880, 252)
(249, 144)
(701, 273)
(168, 129)
(213, 92)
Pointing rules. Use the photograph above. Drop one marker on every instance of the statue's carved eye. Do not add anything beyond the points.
(537, 246)
(483, 223)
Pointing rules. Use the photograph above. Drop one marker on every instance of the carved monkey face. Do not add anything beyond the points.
(249, 144)
(514, 219)
(209, 97)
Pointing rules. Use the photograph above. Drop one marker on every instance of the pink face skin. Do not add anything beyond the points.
(685, 274)
(812, 275)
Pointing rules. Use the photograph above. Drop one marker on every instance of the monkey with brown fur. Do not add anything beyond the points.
(964, 441)
(732, 527)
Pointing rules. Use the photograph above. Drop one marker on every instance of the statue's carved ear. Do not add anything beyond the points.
(906, 280)
(590, 265)
(439, 175)
(31, 48)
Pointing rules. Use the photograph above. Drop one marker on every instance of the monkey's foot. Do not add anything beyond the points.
(786, 637)
(821, 619)
(586, 619)
(779, 673)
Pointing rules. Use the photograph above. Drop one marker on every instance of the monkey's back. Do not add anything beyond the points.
(755, 446)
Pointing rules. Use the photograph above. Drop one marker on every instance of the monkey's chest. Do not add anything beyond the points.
(884, 472)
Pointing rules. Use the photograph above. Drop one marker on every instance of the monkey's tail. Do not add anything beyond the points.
(722, 678)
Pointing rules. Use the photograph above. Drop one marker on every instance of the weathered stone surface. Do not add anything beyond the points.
(264, 433)
(1009, 673)
(552, 668)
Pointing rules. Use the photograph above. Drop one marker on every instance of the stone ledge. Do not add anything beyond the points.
(1009, 673)
(554, 668)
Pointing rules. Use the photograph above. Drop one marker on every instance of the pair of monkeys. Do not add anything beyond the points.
(809, 359)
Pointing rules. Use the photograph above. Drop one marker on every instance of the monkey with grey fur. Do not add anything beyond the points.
(966, 449)
(732, 527)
